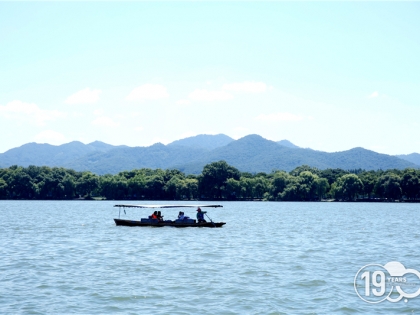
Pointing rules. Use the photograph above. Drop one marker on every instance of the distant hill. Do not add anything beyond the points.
(413, 158)
(44, 154)
(103, 147)
(208, 142)
(121, 159)
(51, 155)
(251, 153)
(287, 143)
(256, 154)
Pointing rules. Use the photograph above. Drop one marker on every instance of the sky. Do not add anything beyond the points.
(326, 75)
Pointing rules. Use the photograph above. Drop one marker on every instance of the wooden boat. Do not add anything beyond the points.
(175, 223)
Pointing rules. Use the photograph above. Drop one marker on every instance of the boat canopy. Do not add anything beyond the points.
(169, 206)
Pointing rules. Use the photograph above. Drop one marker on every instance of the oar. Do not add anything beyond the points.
(210, 219)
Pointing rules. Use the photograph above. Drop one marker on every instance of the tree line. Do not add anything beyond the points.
(218, 180)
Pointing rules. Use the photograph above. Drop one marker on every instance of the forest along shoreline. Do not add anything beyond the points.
(218, 181)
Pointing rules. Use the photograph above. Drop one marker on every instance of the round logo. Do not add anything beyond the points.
(375, 283)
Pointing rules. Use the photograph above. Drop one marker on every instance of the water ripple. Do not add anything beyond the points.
(270, 258)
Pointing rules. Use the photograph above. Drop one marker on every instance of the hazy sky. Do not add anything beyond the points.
(325, 75)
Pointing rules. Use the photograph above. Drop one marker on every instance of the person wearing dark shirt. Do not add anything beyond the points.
(200, 215)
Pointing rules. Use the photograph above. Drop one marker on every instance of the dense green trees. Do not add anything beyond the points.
(347, 187)
(217, 181)
(410, 183)
(87, 183)
(3, 188)
(322, 187)
(279, 182)
(213, 181)
(388, 186)
(368, 179)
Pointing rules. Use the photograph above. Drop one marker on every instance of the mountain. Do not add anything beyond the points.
(44, 154)
(208, 142)
(256, 154)
(128, 158)
(287, 143)
(103, 147)
(252, 153)
(413, 158)
(52, 155)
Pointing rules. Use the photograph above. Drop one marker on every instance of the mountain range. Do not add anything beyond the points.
(251, 153)
(413, 157)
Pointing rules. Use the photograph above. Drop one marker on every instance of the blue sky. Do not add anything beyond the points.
(325, 75)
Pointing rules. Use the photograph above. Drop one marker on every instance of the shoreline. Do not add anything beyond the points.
(224, 200)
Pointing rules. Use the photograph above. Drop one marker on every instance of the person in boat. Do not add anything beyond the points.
(182, 216)
(154, 215)
(200, 215)
(159, 216)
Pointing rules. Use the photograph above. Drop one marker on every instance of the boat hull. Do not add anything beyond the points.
(168, 223)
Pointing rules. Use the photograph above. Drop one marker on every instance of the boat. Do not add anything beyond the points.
(175, 223)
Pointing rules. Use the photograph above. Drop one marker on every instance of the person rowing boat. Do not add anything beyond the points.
(200, 215)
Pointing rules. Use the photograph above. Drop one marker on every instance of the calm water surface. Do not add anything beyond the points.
(68, 257)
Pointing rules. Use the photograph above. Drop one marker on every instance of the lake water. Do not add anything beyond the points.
(68, 257)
